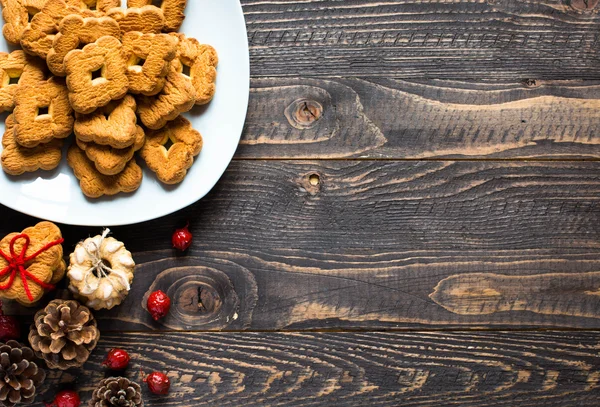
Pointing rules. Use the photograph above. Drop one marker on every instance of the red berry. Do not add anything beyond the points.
(182, 238)
(158, 383)
(159, 304)
(117, 359)
(66, 398)
(9, 326)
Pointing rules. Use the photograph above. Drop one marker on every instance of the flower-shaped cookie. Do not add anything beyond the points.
(148, 19)
(101, 272)
(97, 74)
(94, 184)
(42, 112)
(178, 96)
(201, 61)
(16, 15)
(174, 11)
(109, 160)
(40, 246)
(111, 125)
(150, 61)
(38, 36)
(101, 6)
(171, 165)
(14, 68)
(75, 31)
(17, 160)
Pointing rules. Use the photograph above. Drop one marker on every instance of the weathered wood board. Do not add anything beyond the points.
(345, 244)
(350, 369)
(378, 118)
(457, 39)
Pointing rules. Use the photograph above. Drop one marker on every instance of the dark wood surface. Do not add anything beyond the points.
(353, 369)
(412, 218)
(374, 118)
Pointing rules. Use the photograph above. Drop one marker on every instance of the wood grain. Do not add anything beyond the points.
(351, 369)
(374, 244)
(469, 40)
(417, 119)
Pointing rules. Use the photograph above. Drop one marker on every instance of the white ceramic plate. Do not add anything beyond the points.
(56, 195)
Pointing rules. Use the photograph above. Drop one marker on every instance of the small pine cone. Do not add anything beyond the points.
(117, 392)
(64, 334)
(19, 375)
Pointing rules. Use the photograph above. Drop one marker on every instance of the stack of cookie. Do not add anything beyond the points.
(119, 80)
(48, 267)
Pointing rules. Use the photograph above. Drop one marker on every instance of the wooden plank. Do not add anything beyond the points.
(357, 369)
(343, 244)
(471, 40)
(386, 118)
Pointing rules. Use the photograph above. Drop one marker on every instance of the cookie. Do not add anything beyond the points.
(97, 74)
(178, 96)
(111, 125)
(109, 160)
(41, 272)
(171, 165)
(94, 184)
(15, 68)
(201, 61)
(42, 112)
(17, 160)
(75, 31)
(148, 19)
(101, 6)
(38, 36)
(16, 15)
(149, 65)
(174, 11)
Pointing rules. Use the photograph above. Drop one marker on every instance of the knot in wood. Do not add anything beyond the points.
(314, 179)
(202, 297)
(198, 298)
(311, 182)
(304, 113)
(584, 5)
(530, 83)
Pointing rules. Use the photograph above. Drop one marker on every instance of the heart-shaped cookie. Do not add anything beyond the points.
(171, 162)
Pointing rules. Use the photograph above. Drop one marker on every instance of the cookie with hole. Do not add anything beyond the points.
(42, 112)
(174, 11)
(38, 36)
(172, 163)
(97, 74)
(109, 160)
(15, 68)
(177, 97)
(75, 32)
(148, 67)
(17, 160)
(198, 62)
(147, 19)
(95, 184)
(16, 15)
(100, 6)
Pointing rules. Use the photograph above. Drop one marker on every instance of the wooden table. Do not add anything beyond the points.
(412, 217)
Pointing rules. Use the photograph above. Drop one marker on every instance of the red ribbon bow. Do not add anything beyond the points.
(16, 264)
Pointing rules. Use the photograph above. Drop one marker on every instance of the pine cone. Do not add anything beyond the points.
(117, 392)
(19, 375)
(64, 334)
